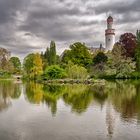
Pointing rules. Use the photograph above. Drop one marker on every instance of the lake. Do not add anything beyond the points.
(31, 111)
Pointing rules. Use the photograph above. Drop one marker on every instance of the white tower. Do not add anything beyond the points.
(109, 34)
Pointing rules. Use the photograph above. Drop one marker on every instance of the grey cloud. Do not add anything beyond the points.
(119, 7)
(8, 9)
(64, 21)
(57, 23)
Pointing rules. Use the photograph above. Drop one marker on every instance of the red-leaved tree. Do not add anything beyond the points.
(128, 41)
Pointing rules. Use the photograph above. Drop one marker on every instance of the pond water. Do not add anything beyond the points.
(31, 111)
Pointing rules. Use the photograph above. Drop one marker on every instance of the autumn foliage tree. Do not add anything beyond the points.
(37, 65)
(128, 41)
(33, 65)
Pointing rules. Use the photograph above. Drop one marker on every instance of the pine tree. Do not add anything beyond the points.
(52, 53)
(47, 55)
(46, 58)
(137, 54)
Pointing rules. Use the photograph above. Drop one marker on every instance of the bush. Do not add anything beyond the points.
(54, 72)
(135, 75)
(76, 72)
(4, 75)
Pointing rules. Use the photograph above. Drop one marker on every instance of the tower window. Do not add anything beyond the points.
(109, 39)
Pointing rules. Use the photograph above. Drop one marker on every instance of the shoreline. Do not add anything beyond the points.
(72, 81)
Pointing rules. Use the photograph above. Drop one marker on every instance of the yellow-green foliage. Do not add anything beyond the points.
(37, 65)
(76, 72)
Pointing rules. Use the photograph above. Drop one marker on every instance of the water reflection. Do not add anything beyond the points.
(124, 96)
(118, 102)
(125, 99)
(8, 91)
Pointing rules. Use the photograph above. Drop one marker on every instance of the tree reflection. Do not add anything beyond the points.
(34, 92)
(8, 91)
(51, 94)
(79, 97)
(100, 94)
(38, 93)
(123, 96)
(119, 97)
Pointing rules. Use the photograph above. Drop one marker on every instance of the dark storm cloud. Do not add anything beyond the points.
(118, 7)
(28, 25)
(8, 9)
(125, 11)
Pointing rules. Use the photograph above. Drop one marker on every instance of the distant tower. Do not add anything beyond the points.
(109, 34)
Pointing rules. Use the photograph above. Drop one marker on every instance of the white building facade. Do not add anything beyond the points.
(109, 35)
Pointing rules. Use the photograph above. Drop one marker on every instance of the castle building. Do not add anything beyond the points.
(97, 49)
(109, 35)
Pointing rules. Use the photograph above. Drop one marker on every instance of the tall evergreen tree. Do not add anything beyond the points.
(137, 54)
(47, 55)
(52, 53)
(46, 58)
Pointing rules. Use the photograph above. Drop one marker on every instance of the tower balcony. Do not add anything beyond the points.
(110, 32)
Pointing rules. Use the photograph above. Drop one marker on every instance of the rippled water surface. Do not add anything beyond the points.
(30, 111)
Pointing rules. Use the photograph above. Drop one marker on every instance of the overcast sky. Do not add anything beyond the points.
(29, 25)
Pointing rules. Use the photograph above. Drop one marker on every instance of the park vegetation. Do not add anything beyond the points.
(78, 62)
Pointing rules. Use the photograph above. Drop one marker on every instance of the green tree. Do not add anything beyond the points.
(52, 53)
(118, 64)
(100, 58)
(78, 54)
(66, 56)
(76, 72)
(118, 51)
(125, 68)
(28, 63)
(15, 61)
(137, 53)
(54, 72)
(47, 56)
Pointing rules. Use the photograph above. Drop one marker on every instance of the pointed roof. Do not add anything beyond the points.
(110, 19)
